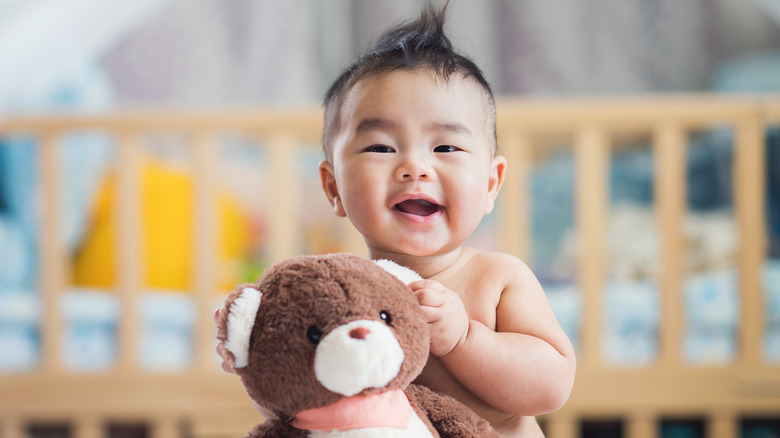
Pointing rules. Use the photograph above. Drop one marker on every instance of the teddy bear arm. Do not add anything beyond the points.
(275, 429)
(449, 417)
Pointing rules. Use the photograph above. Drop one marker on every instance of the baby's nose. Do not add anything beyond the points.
(420, 175)
(414, 170)
(359, 333)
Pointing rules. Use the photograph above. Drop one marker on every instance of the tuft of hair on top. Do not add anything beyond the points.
(416, 44)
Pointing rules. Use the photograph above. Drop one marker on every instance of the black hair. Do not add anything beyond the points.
(417, 44)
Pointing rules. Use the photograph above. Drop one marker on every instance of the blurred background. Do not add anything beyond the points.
(95, 57)
(256, 52)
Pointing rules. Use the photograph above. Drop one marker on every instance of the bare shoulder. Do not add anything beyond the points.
(522, 306)
(508, 269)
(498, 289)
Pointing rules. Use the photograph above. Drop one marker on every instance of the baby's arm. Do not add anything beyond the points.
(526, 366)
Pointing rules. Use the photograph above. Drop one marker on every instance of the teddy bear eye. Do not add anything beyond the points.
(314, 334)
(385, 315)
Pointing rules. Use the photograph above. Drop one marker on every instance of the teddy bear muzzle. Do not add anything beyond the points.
(358, 355)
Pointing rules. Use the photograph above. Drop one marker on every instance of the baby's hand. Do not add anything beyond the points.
(448, 321)
(227, 366)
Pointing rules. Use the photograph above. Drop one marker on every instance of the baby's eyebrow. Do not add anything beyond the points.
(373, 123)
(455, 127)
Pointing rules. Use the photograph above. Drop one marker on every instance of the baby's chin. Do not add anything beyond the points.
(412, 249)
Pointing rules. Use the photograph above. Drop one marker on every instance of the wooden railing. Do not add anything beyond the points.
(211, 403)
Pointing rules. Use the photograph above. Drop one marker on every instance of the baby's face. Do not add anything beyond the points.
(412, 165)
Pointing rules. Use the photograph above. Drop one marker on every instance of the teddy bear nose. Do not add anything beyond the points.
(359, 333)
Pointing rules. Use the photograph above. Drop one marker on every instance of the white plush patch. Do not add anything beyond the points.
(403, 273)
(416, 429)
(347, 365)
(241, 319)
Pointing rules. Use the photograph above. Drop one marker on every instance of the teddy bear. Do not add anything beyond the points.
(330, 346)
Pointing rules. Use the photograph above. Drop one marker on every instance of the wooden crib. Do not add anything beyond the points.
(206, 402)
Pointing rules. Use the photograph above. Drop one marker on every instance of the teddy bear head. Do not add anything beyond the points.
(316, 329)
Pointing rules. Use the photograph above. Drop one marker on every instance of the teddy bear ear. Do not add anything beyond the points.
(406, 275)
(240, 320)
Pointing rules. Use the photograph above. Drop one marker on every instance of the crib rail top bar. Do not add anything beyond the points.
(535, 114)
(630, 112)
(307, 122)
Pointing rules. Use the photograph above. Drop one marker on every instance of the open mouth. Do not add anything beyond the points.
(418, 207)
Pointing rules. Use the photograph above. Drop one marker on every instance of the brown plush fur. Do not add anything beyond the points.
(328, 291)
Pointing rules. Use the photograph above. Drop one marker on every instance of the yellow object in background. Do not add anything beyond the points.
(166, 222)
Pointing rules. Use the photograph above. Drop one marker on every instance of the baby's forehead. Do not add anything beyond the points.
(376, 83)
(383, 94)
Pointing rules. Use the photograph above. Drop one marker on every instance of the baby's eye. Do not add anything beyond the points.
(445, 148)
(380, 149)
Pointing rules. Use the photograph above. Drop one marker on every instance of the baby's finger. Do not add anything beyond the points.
(425, 284)
(429, 297)
(431, 314)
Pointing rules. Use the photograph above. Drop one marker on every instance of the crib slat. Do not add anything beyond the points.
(128, 236)
(515, 209)
(749, 180)
(164, 427)
(561, 425)
(205, 226)
(284, 239)
(669, 188)
(12, 427)
(592, 158)
(52, 262)
(88, 427)
(642, 426)
(722, 425)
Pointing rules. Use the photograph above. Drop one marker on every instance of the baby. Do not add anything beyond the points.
(410, 146)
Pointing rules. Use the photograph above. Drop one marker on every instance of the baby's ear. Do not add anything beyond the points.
(495, 181)
(235, 322)
(330, 187)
